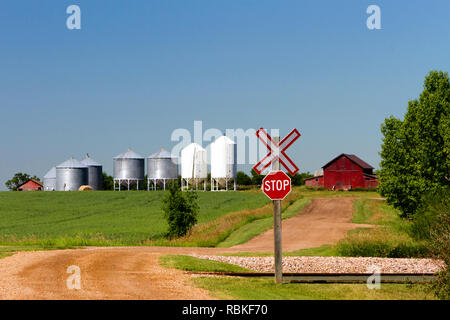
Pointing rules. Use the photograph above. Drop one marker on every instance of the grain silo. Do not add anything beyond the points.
(161, 168)
(128, 169)
(223, 163)
(50, 180)
(95, 170)
(71, 175)
(193, 166)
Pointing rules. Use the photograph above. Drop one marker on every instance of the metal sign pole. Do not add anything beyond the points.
(277, 228)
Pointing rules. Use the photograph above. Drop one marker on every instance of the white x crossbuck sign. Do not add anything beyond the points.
(277, 151)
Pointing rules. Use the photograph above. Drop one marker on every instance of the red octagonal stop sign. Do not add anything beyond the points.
(276, 185)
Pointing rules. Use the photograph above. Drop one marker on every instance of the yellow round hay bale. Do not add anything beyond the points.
(85, 188)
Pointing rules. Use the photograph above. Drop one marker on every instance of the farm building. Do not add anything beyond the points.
(31, 185)
(346, 171)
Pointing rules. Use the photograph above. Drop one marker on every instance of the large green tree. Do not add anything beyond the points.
(18, 179)
(415, 151)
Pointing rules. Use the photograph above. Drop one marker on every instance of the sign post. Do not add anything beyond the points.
(277, 228)
(277, 185)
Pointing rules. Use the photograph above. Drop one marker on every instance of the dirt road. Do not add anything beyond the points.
(134, 273)
(323, 221)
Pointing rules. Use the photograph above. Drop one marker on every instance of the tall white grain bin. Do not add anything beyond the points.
(50, 180)
(194, 167)
(223, 163)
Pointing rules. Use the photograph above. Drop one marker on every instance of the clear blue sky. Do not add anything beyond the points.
(137, 70)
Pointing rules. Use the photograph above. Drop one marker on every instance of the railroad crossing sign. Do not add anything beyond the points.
(276, 185)
(277, 151)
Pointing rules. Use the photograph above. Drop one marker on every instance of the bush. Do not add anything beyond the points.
(180, 210)
(434, 205)
(242, 179)
(434, 225)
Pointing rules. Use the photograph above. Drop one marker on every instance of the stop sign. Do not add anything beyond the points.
(276, 185)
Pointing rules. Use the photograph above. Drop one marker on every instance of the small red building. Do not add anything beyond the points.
(31, 185)
(346, 172)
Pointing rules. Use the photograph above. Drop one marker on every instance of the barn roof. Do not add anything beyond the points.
(32, 180)
(352, 158)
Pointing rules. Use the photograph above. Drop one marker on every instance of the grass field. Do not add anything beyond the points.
(64, 219)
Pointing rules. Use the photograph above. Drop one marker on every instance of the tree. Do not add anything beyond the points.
(180, 210)
(18, 179)
(299, 179)
(415, 151)
(256, 178)
(108, 182)
(243, 179)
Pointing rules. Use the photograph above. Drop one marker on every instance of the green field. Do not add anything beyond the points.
(102, 218)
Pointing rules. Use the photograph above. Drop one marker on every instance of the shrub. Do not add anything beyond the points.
(180, 210)
(434, 205)
(437, 228)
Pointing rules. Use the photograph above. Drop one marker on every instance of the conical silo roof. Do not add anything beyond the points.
(224, 139)
(51, 174)
(129, 155)
(88, 161)
(71, 163)
(162, 154)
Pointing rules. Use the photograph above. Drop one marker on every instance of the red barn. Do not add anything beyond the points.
(346, 171)
(31, 185)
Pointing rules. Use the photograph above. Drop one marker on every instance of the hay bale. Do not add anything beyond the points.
(85, 188)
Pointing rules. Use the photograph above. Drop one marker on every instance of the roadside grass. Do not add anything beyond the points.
(252, 229)
(188, 263)
(103, 218)
(390, 240)
(265, 289)
(213, 233)
(6, 251)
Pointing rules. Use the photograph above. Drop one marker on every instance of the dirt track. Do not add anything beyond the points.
(134, 273)
(323, 221)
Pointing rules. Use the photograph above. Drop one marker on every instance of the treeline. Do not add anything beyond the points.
(242, 179)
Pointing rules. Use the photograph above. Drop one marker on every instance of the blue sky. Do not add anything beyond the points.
(137, 70)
